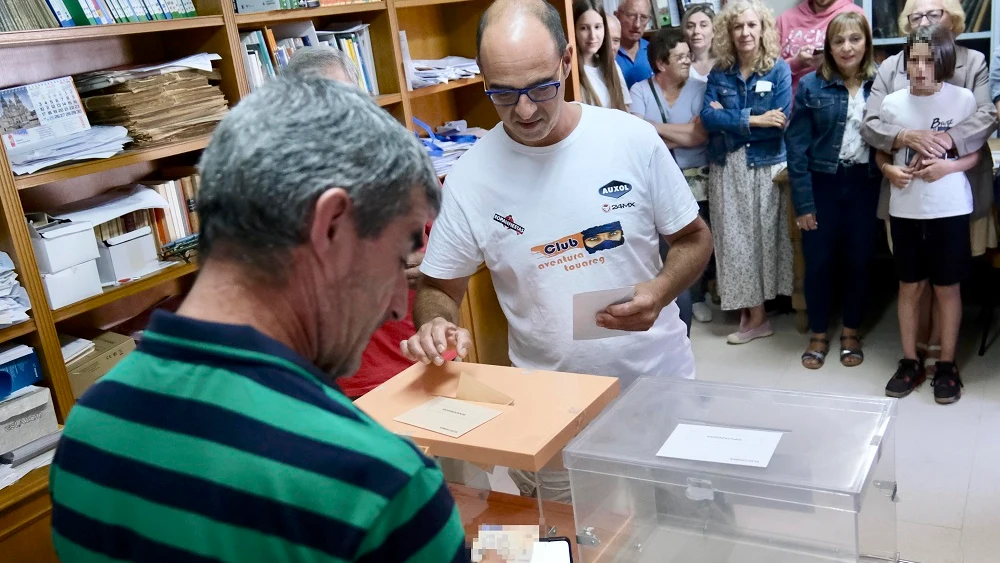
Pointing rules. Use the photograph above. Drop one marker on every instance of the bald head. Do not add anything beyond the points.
(513, 18)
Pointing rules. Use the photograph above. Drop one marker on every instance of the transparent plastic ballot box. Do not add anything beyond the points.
(826, 494)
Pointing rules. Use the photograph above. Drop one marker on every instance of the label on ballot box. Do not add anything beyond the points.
(716, 444)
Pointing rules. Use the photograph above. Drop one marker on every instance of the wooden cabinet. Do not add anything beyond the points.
(25, 520)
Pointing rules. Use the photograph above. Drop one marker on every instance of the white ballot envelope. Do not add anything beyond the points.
(450, 417)
(587, 305)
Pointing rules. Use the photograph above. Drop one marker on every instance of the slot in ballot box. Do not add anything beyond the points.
(683, 471)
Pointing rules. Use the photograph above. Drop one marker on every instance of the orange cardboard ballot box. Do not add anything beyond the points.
(547, 409)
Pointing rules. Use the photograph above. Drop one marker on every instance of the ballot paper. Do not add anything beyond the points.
(587, 305)
(450, 417)
(717, 444)
(14, 302)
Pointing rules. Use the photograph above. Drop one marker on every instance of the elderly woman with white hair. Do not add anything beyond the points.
(965, 137)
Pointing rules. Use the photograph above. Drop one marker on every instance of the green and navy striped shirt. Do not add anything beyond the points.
(215, 443)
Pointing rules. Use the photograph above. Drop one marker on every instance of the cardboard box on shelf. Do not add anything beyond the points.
(127, 256)
(25, 416)
(60, 245)
(109, 349)
(73, 284)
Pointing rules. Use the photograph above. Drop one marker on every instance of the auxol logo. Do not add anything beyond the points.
(508, 222)
(608, 208)
(615, 189)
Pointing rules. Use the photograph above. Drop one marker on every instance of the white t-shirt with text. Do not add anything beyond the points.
(582, 215)
(950, 196)
(601, 89)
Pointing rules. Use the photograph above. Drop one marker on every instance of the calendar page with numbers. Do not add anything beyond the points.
(36, 114)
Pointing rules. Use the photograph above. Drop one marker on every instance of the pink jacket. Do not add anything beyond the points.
(801, 26)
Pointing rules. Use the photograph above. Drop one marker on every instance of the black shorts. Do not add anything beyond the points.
(939, 250)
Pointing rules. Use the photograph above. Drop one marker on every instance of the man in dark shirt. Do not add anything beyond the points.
(223, 438)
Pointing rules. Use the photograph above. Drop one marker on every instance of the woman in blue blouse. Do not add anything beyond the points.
(834, 189)
(747, 101)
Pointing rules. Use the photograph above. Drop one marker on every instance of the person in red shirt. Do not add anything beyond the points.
(382, 359)
(802, 31)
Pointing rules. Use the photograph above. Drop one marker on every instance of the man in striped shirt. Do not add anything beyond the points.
(222, 438)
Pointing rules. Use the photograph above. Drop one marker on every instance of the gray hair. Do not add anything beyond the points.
(542, 11)
(320, 62)
(279, 149)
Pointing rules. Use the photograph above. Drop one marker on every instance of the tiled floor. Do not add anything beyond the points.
(948, 457)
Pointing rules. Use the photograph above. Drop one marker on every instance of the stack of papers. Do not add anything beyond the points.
(450, 142)
(157, 104)
(73, 347)
(451, 152)
(441, 71)
(95, 142)
(14, 303)
(104, 78)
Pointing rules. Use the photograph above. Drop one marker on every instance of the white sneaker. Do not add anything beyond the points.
(701, 312)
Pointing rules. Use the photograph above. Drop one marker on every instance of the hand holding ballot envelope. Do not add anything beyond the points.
(435, 338)
(639, 313)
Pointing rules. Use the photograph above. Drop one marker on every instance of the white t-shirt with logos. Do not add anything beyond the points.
(585, 214)
(950, 196)
(601, 89)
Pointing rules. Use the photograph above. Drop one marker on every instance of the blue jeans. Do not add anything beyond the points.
(846, 203)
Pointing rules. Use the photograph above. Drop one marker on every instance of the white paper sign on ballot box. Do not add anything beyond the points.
(716, 444)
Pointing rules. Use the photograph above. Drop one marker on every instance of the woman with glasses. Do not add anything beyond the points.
(601, 80)
(967, 137)
(699, 30)
(672, 102)
(746, 105)
(834, 189)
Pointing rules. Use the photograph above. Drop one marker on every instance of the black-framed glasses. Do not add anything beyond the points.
(537, 93)
(933, 16)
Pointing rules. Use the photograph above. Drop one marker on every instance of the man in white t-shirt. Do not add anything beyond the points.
(561, 199)
(929, 209)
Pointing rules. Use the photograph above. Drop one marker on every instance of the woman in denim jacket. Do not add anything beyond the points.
(834, 190)
(746, 104)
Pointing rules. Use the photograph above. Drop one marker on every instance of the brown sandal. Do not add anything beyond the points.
(849, 355)
(816, 356)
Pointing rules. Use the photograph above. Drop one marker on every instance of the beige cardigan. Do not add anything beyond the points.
(971, 135)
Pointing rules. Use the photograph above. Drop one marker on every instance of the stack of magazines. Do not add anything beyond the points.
(157, 104)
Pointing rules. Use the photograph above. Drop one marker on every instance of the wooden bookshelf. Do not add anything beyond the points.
(276, 16)
(13, 331)
(126, 158)
(435, 29)
(124, 290)
(431, 90)
(401, 4)
(388, 99)
(85, 32)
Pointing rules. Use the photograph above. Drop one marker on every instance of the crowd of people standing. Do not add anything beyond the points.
(740, 96)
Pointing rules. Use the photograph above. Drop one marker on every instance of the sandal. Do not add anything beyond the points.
(851, 357)
(817, 357)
